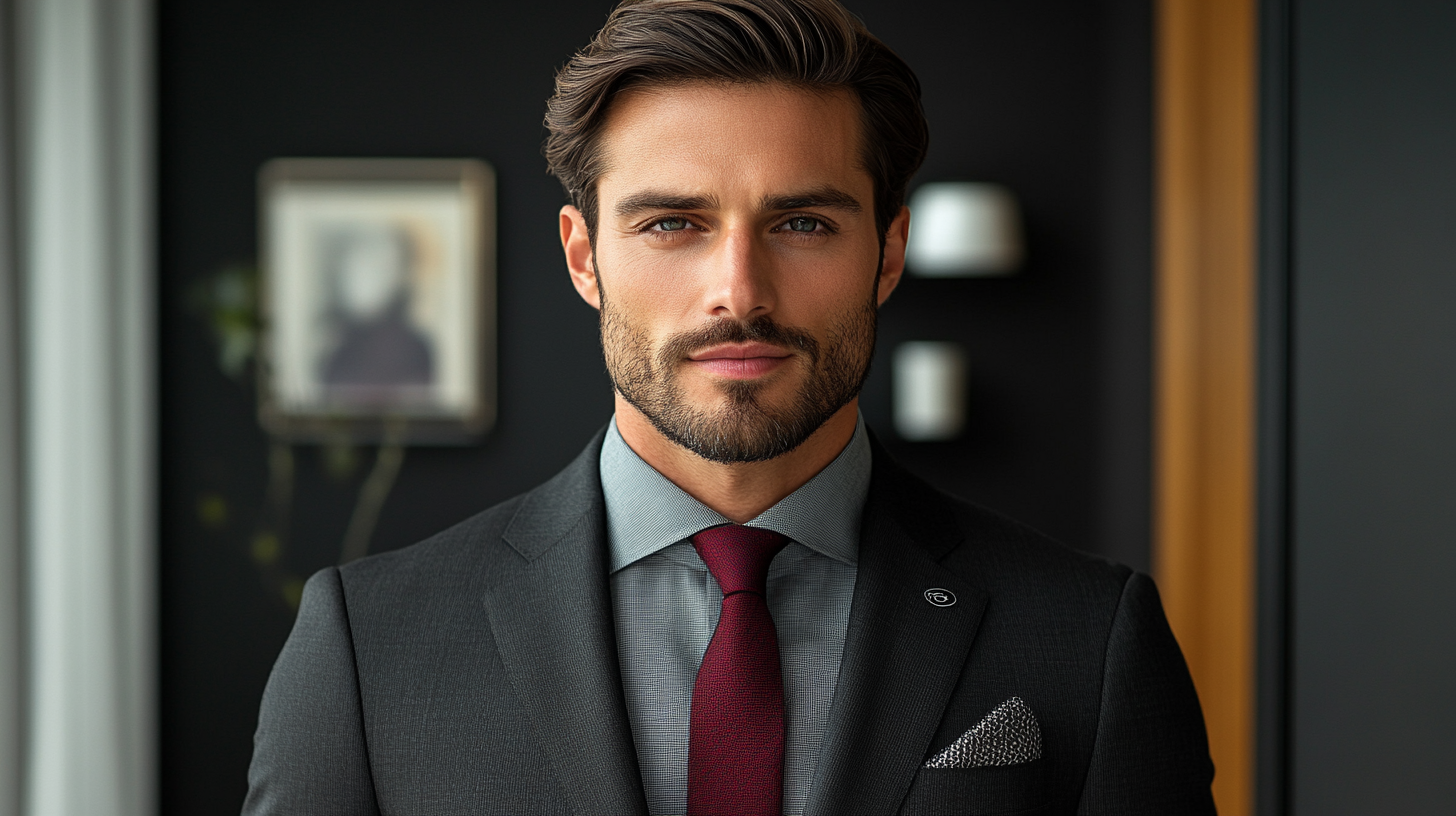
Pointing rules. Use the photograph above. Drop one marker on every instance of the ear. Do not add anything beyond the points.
(579, 260)
(893, 266)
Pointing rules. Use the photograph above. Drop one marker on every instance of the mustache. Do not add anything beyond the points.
(759, 330)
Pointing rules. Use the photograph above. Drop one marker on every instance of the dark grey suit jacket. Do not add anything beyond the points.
(476, 673)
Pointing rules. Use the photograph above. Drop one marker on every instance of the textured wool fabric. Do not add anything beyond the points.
(478, 672)
(736, 744)
(665, 607)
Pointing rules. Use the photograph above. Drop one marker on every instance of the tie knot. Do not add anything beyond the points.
(739, 556)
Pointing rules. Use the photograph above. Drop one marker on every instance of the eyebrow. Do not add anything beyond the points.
(653, 200)
(826, 197)
(649, 200)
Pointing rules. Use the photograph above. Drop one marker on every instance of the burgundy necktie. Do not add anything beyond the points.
(736, 742)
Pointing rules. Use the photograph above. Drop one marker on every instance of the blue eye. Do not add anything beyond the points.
(802, 224)
(672, 224)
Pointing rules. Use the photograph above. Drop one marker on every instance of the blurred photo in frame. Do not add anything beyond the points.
(378, 294)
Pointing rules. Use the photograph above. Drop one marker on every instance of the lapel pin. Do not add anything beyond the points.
(940, 597)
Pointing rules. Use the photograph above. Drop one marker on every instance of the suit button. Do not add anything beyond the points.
(940, 597)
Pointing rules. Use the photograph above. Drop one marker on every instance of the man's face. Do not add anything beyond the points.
(736, 262)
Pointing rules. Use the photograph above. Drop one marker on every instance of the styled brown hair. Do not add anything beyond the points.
(812, 44)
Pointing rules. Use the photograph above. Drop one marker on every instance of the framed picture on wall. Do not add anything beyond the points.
(378, 295)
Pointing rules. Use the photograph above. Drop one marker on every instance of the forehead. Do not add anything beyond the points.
(760, 135)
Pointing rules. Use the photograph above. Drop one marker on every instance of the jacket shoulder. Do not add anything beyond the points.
(462, 558)
(986, 547)
(449, 552)
(1002, 544)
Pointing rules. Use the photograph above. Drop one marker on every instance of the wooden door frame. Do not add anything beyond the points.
(1206, 367)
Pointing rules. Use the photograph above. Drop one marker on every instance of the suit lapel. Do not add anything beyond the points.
(550, 610)
(902, 654)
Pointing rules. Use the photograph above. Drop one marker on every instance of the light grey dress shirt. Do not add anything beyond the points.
(666, 605)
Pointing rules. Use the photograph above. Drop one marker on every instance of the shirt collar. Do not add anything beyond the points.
(646, 512)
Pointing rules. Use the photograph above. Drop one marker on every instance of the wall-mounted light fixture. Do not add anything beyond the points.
(929, 390)
(963, 229)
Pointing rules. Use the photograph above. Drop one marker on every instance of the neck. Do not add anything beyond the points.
(738, 491)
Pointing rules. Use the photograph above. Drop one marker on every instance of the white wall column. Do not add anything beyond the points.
(84, 209)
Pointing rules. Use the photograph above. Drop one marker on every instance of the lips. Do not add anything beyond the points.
(738, 351)
(740, 361)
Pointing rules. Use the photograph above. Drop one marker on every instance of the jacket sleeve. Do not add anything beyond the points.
(309, 753)
(1151, 754)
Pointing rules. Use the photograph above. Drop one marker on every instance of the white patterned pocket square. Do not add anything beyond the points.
(1008, 735)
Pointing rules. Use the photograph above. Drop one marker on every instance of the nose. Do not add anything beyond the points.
(740, 276)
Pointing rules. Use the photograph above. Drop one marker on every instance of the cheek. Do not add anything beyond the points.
(651, 288)
(847, 268)
(824, 293)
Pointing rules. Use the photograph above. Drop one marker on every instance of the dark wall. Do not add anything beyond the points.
(1374, 396)
(1050, 98)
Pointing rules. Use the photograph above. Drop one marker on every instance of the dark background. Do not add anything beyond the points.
(1372, 463)
(1049, 98)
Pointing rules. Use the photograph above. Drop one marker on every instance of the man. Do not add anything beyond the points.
(733, 601)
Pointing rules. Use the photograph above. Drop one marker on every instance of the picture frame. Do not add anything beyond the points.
(377, 300)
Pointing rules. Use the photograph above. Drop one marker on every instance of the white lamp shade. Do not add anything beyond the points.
(963, 229)
(929, 381)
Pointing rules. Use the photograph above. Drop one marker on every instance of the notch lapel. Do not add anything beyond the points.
(902, 654)
(549, 603)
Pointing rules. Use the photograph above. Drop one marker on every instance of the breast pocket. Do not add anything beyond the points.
(994, 791)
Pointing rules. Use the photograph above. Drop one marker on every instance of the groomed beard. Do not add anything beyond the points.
(745, 429)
